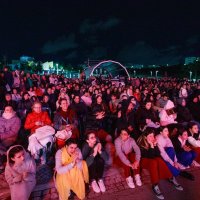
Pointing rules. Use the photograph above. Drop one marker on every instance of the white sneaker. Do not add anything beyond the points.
(157, 192)
(95, 186)
(176, 184)
(130, 183)
(138, 180)
(101, 185)
(195, 164)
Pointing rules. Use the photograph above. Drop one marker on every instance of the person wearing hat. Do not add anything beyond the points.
(167, 115)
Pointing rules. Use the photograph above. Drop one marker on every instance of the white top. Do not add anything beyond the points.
(162, 144)
(166, 119)
(193, 141)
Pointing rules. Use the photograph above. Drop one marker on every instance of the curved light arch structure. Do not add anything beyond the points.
(112, 70)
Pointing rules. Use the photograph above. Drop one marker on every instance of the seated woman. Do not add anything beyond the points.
(126, 116)
(46, 104)
(146, 116)
(25, 104)
(20, 173)
(152, 161)
(129, 155)
(168, 115)
(95, 157)
(62, 95)
(194, 139)
(9, 127)
(66, 118)
(184, 153)
(81, 110)
(99, 113)
(41, 139)
(72, 171)
(168, 153)
(184, 115)
(15, 95)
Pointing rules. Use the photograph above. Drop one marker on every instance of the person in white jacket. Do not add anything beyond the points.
(167, 115)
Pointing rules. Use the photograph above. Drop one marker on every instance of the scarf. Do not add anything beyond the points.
(8, 115)
(73, 179)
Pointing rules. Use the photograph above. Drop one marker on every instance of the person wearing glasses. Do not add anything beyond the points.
(40, 139)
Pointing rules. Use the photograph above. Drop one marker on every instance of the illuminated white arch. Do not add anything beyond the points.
(107, 61)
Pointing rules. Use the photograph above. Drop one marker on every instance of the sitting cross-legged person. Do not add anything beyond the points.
(95, 157)
(151, 160)
(72, 171)
(129, 155)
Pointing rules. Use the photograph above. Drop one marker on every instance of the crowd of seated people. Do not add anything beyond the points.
(144, 123)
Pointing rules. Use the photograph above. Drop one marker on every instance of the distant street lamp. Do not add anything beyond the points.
(151, 73)
(56, 68)
(190, 75)
(156, 74)
(134, 73)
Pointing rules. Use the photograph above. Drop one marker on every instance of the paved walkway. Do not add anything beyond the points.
(116, 186)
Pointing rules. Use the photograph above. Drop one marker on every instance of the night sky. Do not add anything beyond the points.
(71, 31)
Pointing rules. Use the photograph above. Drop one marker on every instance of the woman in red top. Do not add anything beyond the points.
(37, 118)
(39, 141)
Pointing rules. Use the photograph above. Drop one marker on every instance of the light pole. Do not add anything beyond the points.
(56, 68)
(190, 75)
(134, 72)
(151, 73)
(156, 74)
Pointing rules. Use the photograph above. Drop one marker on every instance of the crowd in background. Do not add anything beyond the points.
(140, 123)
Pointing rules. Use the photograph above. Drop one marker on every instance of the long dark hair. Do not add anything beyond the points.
(13, 152)
(71, 141)
(142, 140)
